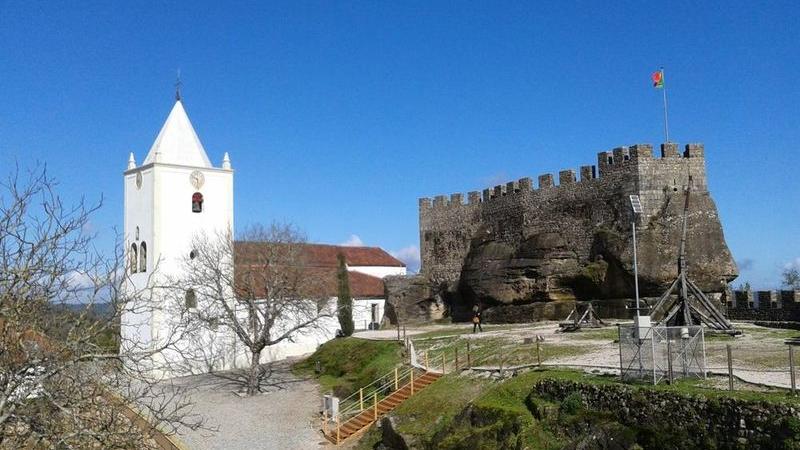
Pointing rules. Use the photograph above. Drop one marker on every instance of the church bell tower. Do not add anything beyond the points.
(174, 195)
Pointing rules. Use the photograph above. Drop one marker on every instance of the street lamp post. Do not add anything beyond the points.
(642, 322)
(636, 205)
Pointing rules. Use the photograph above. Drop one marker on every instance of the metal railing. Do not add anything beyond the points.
(366, 399)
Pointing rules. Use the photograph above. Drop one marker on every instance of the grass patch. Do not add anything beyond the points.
(495, 351)
(426, 413)
(596, 334)
(350, 363)
(769, 333)
(464, 412)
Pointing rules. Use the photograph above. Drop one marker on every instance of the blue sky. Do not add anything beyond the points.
(339, 115)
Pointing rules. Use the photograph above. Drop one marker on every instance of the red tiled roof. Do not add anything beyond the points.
(320, 261)
(365, 286)
(324, 255)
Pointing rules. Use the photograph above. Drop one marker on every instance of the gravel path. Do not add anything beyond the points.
(282, 418)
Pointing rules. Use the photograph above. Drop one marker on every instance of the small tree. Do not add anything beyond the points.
(345, 305)
(268, 296)
(791, 277)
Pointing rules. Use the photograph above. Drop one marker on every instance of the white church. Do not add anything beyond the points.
(176, 194)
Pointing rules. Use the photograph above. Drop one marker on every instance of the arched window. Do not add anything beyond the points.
(197, 202)
(191, 299)
(137, 234)
(143, 257)
(133, 257)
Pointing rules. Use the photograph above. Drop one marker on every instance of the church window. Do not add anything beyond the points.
(191, 299)
(137, 233)
(197, 202)
(133, 256)
(143, 257)
(611, 160)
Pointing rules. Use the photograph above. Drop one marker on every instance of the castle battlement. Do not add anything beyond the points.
(628, 159)
(765, 299)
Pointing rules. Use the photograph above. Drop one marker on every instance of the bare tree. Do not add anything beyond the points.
(791, 277)
(271, 293)
(64, 380)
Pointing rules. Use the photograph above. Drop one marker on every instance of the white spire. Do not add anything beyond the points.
(131, 162)
(226, 161)
(177, 142)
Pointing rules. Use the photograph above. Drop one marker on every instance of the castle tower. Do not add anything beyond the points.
(175, 195)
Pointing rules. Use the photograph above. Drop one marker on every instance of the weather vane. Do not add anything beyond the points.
(178, 86)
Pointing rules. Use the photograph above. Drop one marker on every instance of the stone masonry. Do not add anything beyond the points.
(516, 244)
(770, 306)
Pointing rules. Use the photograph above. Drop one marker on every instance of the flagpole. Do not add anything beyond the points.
(666, 117)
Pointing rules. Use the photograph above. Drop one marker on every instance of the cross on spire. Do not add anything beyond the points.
(178, 85)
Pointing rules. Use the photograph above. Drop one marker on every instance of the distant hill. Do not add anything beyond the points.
(101, 310)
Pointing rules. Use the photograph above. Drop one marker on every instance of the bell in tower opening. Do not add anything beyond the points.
(197, 202)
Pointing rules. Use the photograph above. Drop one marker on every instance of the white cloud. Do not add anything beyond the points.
(745, 264)
(353, 241)
(79, 280)
(793, 264)
(410, 256)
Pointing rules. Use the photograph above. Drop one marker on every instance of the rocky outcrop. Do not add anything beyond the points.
(412, 299)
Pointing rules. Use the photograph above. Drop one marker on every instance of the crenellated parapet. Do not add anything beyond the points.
(622, 157)
(766, 306)
(636, 161)
(788, 299)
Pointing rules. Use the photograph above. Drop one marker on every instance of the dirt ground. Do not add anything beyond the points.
(759, 354)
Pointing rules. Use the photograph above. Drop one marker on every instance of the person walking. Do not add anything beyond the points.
(476, 319)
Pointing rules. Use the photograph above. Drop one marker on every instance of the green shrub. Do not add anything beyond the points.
(572, 404)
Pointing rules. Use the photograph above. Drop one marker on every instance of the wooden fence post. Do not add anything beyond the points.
(412, 381)
(538, 353)
(395, 379)
(791, 369)
(325, 421)
(443, 361)
(337, 430)
(375, 404)
(361, 399)
(469, 357)
(456, 358)
(669, 359)
(730, 368)
(426, 361)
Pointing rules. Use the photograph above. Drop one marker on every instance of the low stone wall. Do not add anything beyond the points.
(727, 421)
(771, 306)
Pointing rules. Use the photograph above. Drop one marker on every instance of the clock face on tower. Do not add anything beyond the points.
(197, 179)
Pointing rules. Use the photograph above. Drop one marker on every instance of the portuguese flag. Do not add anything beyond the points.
(658, 79)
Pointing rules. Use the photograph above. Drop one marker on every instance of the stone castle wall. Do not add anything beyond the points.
(771, 306)
(570, 239)
(448, 224)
